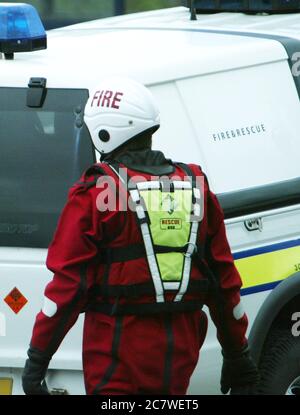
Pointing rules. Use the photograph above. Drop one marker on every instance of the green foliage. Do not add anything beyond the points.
(141, 5)
(93, 9)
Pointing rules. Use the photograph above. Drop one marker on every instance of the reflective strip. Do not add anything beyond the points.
(159, 290)
(49, 307)
(135, 196)
(152, 263)
(197, 193)
(197, 209)
(140, 212)
(188, 261)
(182, 184)
(148, 185)
(264, 267)
(155, 185)
(238, 311)
(171, 285)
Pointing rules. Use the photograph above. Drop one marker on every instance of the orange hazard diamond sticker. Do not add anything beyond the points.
(15, 300)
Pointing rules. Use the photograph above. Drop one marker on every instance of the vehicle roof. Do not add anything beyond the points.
(287, 24)
(153, 47)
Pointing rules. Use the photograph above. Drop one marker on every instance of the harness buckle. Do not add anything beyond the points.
(194, 250)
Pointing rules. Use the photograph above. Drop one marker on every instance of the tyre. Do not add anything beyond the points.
(294, 388)
(280, 362)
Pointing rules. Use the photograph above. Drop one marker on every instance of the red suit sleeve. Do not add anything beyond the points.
(71, 256)
(225, 309)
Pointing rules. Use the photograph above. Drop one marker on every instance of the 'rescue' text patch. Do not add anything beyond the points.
(166, 224)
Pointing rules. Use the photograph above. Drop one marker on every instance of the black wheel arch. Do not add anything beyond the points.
(279, 298)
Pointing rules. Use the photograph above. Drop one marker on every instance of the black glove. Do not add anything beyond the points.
(33, 377)
(239, 374)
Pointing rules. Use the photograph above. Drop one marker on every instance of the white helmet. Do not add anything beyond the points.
(118, 110)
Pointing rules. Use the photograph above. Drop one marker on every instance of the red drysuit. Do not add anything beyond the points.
(130, 354)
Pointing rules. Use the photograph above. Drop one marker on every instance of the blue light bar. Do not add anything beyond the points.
(21, 29)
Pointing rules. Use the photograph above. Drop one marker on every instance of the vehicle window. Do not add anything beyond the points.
(43, 151)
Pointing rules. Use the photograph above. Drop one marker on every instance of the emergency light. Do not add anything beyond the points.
(21, 29)
(246, 6)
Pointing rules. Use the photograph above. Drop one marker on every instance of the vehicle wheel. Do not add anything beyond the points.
(280, 362)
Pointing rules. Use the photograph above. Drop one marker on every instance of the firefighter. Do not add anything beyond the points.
(140, 247)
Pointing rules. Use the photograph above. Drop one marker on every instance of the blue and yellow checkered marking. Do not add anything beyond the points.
(263, 268)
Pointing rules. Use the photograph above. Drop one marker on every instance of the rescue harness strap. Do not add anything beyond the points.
(146, 288)
(135, 251)
(145, 309)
